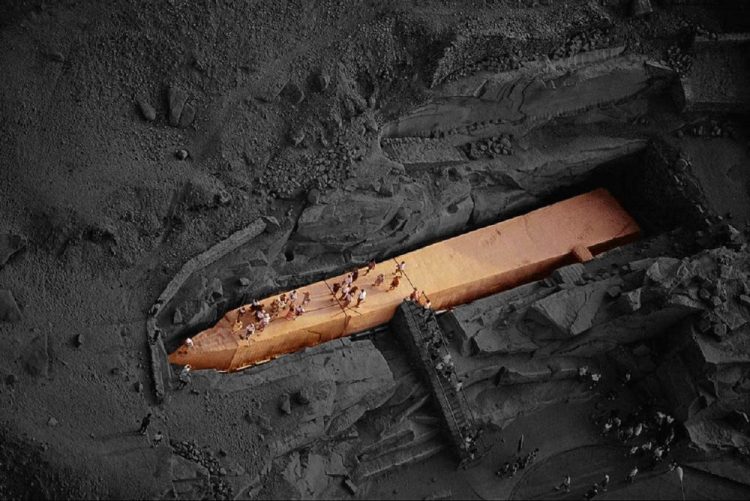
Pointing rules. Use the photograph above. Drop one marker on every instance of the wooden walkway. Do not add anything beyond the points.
(451, 272)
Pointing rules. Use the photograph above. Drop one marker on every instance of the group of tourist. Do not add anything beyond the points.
(588, 376)
(255, 317)
(509, 469)
(442, 360)
(470, 437)
(647, 434)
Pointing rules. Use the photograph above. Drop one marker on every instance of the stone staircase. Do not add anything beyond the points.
(417, 327)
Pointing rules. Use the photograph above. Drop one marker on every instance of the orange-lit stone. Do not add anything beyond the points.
(452, 272)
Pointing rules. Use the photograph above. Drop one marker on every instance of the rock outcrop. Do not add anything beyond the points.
(368, 224)
(9, 310)
(516, 102)
(10, 245)
(341, 380)
(679, 327)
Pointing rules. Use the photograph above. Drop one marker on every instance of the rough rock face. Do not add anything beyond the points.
(36, 357)
(722, 60)
(602, 87)
(209, 282)
(527, 343)
(10, 244)
(705, 377)
(577, 315)
(181, 111)
(515, 102)
(367, 223)
(9, 311)
(572, 312)
(341, 380)
(513, 183)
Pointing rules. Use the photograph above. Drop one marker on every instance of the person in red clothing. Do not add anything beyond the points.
(395, 283)
(370, 266)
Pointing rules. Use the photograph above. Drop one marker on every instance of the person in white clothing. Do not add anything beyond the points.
(361, 297)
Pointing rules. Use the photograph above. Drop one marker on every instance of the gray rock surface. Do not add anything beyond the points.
(147, 111)
(571, 312)
(337, 392)
(176, 100)
(10, 245)
(9, 310)
(515, 102)
(36, 356)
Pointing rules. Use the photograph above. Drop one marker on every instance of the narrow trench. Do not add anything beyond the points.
(456, 271)
(643, 188)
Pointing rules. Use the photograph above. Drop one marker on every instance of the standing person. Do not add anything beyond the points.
(189, 343)
(361, 298)
(514, 469)
(275, 308)
(632, 474)
(591, 493)
(400, 268)
(145, 423)
(346, 300)
(335, 290)
(414, 296)
(395, 283)
(345, 289)
(264, 322)
(306, 298)
(293, 296)
(370, 266)
(605, 483)
(298, 311)
(348, 279)
(658, 455)
(355, 274)
(157, 439)
(184, 376)
(379, 280)
(249, 330)
(595, 378)
(565, 485)
(291, 314)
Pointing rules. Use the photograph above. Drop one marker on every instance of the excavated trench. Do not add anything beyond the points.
(449, 273)
(647, 186)
(643, 183)
(488, 150)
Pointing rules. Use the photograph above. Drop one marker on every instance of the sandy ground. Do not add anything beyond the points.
(111, 213)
